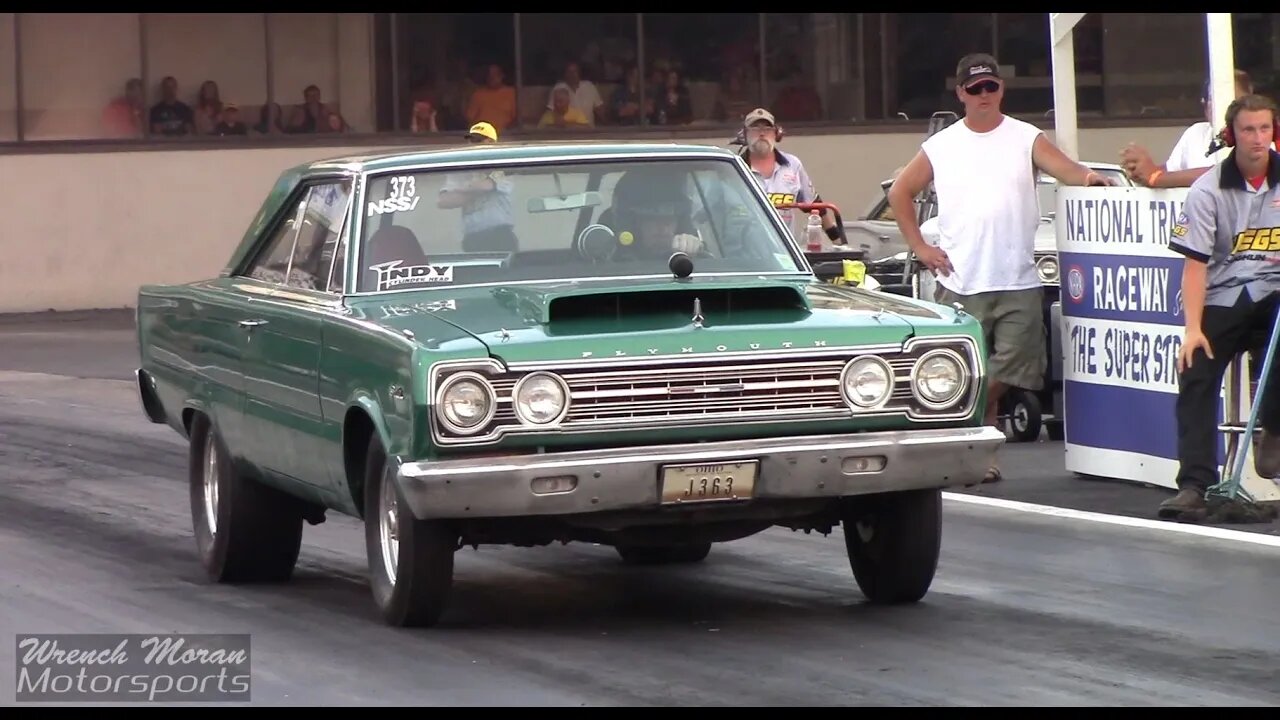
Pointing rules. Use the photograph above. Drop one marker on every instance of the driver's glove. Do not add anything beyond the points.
(686, 243)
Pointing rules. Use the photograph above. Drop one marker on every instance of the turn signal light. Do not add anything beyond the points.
(553, 485)
(864, 464)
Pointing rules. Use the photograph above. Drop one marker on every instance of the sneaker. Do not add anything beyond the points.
(1266, 455)
(1188, 500)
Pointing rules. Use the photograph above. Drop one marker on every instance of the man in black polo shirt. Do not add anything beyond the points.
(1229, 233)
(171, 116)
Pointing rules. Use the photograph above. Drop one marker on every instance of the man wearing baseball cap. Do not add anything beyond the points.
(485, 201)
(780, 174)
(984, 171)
(482, 132)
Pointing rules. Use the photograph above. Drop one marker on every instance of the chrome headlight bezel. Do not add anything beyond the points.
(1048, 269)
(963, 380)
(858, 362)
(442, 407)
(522, 383)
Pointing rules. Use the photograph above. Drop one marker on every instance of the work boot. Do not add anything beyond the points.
(1266, 455)
(1188, 500)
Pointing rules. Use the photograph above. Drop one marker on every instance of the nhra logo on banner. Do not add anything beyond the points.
(1075, 284)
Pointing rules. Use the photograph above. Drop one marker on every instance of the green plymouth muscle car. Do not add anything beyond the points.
(526, 344)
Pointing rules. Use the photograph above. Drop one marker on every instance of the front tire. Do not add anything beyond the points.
(245, 531)
(410, 560)
(893, 541)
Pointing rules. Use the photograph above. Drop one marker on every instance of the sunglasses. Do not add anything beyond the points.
(990, 86)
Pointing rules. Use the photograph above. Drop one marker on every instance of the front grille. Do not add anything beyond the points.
(703, 392)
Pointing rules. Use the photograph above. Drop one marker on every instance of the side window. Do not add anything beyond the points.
(882, 212)
(272, 264)
(301, 252)
(323, 224)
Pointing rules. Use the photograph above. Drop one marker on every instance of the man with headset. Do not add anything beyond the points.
(1229, 235)
(780, 174)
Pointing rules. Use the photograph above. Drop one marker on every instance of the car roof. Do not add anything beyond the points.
(513, 151)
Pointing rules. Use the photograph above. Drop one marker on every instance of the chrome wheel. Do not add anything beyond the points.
(389, 528)
(211, 484)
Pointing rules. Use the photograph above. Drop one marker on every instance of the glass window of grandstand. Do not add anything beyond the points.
(927, 48)
(700, 68)
(206, 73)
(88, 89)
(453, 70)
(8, 78)
(580, 71)
(812, 68)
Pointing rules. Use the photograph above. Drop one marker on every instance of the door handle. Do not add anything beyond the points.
(252, 323)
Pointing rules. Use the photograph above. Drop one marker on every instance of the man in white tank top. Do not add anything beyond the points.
(984, 172)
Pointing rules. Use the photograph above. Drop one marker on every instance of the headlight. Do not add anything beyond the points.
(540, 398)
(939, 378)
(1047, 269)
(867, 382)
(465, 402)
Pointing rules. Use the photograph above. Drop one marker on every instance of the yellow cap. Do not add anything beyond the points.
(626, 238)
(484, 130)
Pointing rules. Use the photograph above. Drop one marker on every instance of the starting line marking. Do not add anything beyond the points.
(1121, 520)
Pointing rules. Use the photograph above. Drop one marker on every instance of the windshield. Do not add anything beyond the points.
(508, 223)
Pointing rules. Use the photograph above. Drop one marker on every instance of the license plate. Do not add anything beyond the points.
(708, 482)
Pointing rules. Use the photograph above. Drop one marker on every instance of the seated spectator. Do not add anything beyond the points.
(270, 120)
(583, 94)
(208, 108)
(626, 100)
(306, 117)
(423, 119)
(562, 113)
(672, 106)
(122, 117)
(735, 98)
(229, 122)
(334, 123)
(171, 116)
(494, 102)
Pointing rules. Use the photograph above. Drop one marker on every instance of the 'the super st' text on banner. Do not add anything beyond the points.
(1122, 329)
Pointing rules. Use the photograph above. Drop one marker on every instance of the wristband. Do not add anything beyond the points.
(833, 233)
(1153, 177)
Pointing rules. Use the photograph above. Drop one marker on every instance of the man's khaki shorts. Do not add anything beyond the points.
(1013, 323)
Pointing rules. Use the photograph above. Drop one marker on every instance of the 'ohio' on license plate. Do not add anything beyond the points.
(709, 482)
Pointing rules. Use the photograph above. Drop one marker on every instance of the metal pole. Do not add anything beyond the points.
(764, 63)
(395, 72)
(18, 109)
(1222, 82)
(641, 70)
(519, 65)
(270, 66)
(144, 69)
(1061, 26)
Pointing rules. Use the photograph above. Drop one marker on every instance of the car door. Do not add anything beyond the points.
(281, 337)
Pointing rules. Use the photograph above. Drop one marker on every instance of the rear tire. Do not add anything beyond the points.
(245, 531)
(893, 541)
(410, 560)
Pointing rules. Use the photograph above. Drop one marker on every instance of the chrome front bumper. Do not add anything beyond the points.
(823, 466)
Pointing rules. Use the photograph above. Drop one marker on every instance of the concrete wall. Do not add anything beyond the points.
(84, 229)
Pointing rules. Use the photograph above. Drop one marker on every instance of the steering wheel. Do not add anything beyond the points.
(596, 243)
